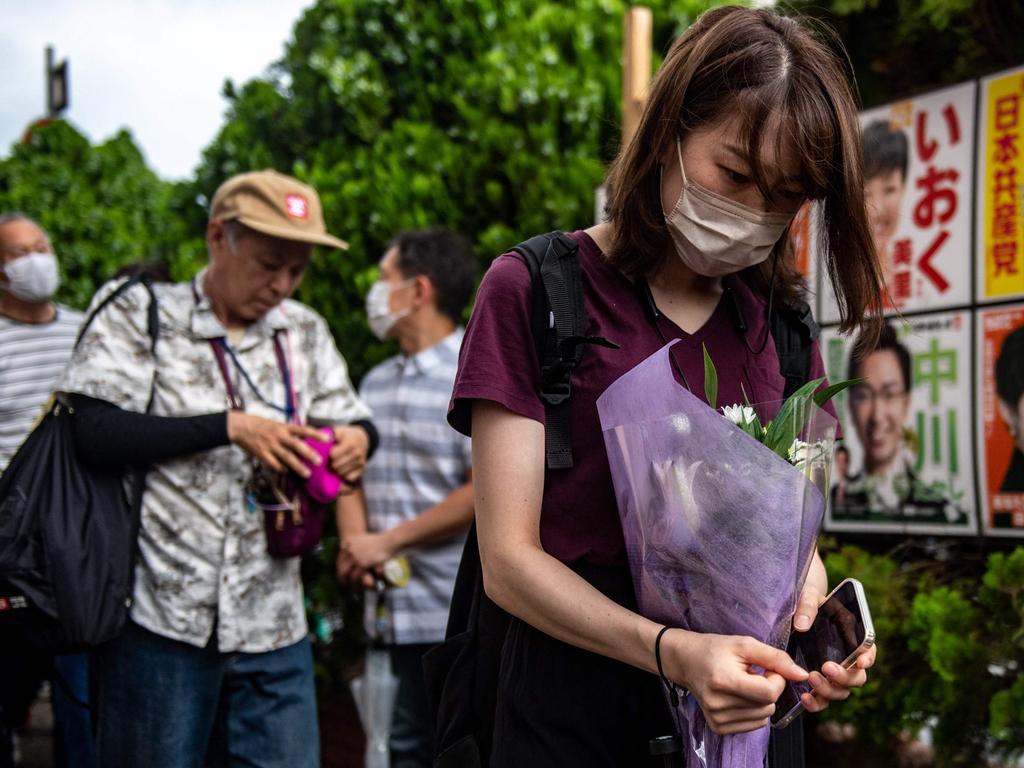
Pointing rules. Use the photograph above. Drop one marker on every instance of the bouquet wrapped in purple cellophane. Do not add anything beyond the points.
(719, 529)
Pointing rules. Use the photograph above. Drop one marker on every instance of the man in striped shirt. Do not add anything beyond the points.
(36, 338)
(416, 498)
(36, 335)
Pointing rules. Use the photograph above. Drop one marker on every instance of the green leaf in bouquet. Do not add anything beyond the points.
(710, 379)
(791, 419)
(822, 397)
(753, 428)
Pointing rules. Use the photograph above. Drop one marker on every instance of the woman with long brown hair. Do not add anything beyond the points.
(749, 117)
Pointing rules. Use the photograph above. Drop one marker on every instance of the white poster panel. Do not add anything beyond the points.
(1000, 419)
(918, 160)
(1000, 187)
(908, 465)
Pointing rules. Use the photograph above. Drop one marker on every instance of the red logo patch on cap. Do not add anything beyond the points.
(296, 206)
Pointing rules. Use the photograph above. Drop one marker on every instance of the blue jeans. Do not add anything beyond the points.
(24, 670)
(412, 731)
(167, 704)
(71, 720)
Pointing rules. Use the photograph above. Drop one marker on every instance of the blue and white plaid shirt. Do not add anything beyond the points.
(419, 462)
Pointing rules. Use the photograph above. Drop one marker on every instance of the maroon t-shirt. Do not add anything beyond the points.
(498, 361)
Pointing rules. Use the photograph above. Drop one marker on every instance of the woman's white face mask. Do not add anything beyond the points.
(716, 236)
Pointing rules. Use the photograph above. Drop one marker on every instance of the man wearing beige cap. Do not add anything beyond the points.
(214, 663)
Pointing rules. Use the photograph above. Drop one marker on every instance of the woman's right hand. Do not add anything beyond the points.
(718, 670)
(277, 445)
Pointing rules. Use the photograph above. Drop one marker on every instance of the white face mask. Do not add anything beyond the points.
(716, 236)
(32, 277)
(378, 308)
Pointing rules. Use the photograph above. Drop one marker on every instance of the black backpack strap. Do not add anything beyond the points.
(558, 323)
(152, 318)
(794, 330)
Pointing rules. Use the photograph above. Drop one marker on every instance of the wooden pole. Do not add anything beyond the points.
(637, 41)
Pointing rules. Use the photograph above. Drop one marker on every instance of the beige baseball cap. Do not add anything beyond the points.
(276, 205)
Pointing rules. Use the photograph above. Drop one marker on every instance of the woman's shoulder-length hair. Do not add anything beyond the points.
(782, 83)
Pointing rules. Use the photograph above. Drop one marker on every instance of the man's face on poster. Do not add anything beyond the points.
(1013, 417)
(883, 194)
(842, 465)
(879, 408)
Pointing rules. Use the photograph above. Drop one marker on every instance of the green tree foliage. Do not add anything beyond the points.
(951, 647)
(900, 48)
(492, 118)
(102, 205)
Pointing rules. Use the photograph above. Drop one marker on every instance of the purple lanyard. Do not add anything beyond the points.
(220, 347)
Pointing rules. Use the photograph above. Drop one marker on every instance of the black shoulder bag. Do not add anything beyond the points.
(67, 533)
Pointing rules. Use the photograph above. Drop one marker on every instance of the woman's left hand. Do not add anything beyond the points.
(832, 683)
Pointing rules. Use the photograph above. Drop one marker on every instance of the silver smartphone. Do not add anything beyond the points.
(841, 632)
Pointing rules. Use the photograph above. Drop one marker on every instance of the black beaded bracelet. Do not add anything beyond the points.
(673, 689)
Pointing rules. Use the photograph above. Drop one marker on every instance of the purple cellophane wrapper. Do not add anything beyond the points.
(719, 529)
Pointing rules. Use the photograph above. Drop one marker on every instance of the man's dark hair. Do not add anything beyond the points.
(156, 270)
(885, 150)
(1009, 368)
(887, 340)
(446, 259)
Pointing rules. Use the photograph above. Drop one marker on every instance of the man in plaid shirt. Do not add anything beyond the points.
(417, 497)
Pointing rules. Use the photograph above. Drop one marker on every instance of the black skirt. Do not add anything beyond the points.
(560, 706)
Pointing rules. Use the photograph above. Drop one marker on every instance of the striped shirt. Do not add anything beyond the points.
(420, 461)
(32, 357)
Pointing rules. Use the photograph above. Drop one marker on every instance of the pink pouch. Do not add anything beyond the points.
(294, 526)
(322, 484)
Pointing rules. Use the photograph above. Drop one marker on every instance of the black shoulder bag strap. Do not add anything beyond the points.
(559, 325)
(794, 330)
(152, 318)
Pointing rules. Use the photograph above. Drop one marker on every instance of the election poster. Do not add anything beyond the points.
(906, 461)
(918, 177)
(802, 231)
(1000, 181)
(1000, 373)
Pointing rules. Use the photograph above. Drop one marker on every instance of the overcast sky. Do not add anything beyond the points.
(155, 67)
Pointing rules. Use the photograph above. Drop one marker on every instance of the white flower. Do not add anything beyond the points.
(681, 424)
(733, 413)
(798, 451)
(802, 453)
(739, 414)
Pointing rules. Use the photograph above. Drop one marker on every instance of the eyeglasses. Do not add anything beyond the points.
(861, 395)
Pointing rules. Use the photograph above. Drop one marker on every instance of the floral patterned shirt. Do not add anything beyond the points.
(202, 559)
